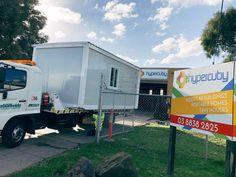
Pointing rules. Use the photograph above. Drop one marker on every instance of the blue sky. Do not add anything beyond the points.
(147, 33)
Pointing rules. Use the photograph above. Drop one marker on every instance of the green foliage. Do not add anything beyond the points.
(20, 25)
(149, 147)
(220, 35)
(230, 57)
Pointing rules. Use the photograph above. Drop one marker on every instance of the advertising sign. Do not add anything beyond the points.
(158, 74)
(203, 100)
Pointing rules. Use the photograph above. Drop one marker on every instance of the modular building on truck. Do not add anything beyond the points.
(73, 70)
(61, 88)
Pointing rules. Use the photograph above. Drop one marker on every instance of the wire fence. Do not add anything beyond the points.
(123, 111)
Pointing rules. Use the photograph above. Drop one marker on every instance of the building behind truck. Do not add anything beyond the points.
(61, 88)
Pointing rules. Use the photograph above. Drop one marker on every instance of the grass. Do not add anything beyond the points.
(148, 145)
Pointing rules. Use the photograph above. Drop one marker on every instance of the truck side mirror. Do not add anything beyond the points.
(4, 93)
(2, 74)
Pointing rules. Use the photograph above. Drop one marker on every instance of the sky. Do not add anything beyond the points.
(147, 33)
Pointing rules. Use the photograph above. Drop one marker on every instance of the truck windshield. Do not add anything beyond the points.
(14, 79)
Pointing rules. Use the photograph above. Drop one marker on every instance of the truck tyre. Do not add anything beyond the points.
(13, 133)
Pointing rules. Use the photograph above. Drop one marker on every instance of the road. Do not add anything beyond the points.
(35, 148)
(47, 143)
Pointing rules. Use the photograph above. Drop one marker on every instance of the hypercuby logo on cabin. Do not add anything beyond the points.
(183, 79)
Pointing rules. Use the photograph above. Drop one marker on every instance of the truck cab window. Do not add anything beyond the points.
(14, 79)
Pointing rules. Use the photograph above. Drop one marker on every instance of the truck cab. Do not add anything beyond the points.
(20, 101)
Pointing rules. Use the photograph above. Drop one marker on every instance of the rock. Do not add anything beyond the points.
(84, 168)
(119, 165)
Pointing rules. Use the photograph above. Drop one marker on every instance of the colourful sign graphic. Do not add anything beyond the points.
(203, 100)
(182, 79)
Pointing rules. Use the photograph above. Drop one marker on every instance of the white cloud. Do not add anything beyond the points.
(134, 61)
(115, 11)
(119, 30)
(110, 5)
(59, 34)
(189, 3)
(96, 6)
(151, 62)
(57, 14)
(167, 45)
(164, 26)
(135, 26)
(164, 13)
(162, 16)
(160, 34)
(178, 48)
(92, 35)
(107, 39)
(50, 3)
(154, 1)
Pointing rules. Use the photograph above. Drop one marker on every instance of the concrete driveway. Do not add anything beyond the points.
(47, 142)
(35, 148)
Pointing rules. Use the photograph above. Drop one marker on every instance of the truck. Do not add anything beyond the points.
(59, 87)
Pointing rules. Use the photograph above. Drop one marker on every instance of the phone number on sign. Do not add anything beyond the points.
(194, 123)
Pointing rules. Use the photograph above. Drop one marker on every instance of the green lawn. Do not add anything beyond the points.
(148, 145)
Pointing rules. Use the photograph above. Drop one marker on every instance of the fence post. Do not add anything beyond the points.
(99, 110)
(110, 126)
(133, 111)
(124, 114)
(133, 118)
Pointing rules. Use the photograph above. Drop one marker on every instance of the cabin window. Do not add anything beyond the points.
(113, 77)
(14, 79)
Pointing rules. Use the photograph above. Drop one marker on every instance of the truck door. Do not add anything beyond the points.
(13, 92)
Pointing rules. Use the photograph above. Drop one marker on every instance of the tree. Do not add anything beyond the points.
(20, 25)
(220, 35)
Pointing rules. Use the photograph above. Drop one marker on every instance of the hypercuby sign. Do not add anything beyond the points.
(203, 100)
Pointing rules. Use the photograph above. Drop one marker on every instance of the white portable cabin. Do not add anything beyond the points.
(73, 71)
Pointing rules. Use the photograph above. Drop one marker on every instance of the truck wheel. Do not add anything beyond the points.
(13, 133)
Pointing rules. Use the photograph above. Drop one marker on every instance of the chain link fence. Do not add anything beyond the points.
(157, 106)
(123, 111)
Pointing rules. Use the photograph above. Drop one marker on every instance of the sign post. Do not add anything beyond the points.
(230, 158)
(171, 151)
(208, 98)
(206, 148)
